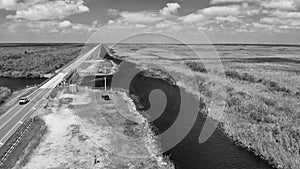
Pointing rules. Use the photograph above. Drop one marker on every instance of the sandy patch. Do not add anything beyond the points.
(91, 130)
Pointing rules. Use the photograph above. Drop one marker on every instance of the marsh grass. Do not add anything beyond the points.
(262, 112)
(263, 96)
(271, 85)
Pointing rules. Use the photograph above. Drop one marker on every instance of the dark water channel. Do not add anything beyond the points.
(19, 83)
(219, 152)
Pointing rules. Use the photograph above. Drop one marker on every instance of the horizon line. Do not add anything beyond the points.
(222, 43)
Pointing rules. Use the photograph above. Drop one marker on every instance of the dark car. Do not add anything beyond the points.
(105, 97)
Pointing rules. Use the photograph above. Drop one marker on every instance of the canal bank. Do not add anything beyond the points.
(219, 152)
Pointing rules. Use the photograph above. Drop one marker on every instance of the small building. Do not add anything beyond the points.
(73, 88)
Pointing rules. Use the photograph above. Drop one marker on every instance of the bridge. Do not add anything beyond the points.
(18, 114)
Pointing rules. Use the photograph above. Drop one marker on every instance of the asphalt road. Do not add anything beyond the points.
(15, 116)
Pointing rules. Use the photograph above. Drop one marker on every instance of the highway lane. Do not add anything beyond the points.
(21, 113)
(15, 116)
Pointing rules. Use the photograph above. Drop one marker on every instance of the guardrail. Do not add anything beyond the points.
(15, 143)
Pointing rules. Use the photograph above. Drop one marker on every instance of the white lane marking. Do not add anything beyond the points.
(18, 112)
(22, 119)
(10, 109)
(7, 112)
(2, 140)
(18, 123)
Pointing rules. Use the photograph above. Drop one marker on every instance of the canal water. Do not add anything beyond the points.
(219, 152)
(19, 83)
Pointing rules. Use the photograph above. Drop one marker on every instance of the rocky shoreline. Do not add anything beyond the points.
(151, 141)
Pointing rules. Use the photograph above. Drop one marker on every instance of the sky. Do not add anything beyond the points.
(190, 21)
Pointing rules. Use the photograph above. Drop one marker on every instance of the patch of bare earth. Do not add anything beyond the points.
(86, 131)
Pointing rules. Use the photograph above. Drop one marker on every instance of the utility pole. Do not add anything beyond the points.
(105, 77)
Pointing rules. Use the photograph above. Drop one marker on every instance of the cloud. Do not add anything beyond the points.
(216, 13)
(95, 23)
(219, 14)
(285, 22)
(48, 27)
(113, 12)
(222, 10)
(227, 19)
(143, 17)
(263, 26)
(268, 4)
(167, 25)
(237, 16)
(214, 2)
(280, 4)
(214, 18)
(145, 20)
(171, 8)
(8, 4)
(50, 16)
(297, 2)
(65, 24)
(285, 14)
(49, 10)
(269, 20)
(194, 17)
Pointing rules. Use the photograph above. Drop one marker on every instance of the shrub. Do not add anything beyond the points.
(244, 76)
(197, 66)
(4, 94)
(273, 86)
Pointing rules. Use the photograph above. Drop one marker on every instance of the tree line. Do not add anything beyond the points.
(35, 64)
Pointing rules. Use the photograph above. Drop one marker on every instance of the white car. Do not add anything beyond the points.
(23, 100)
